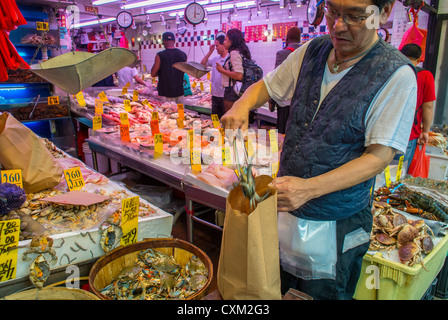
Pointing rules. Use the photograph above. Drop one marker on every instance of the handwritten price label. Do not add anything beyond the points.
(124, 119)
(80, 98)
(215, 120)
(180, 123)
(98, 107)
(129, 220)
(135, 95)
(74, 178)
(127, 105)
(9, 241)
(274, 169)
(158, 143)
(387, 176)
(124, 90)
(42, 26)
(97, 122)
(103, 96)
(195, 157)
(399, 169)
(12, 176)
(54, 100)
(124, 133)
(273, 140)
(180, 110)
(146, 103)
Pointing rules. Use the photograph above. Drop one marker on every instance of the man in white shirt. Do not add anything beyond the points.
(352, 97)
(129, 74)
(216, 78)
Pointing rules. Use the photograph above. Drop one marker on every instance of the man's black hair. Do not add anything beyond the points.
(412, 51)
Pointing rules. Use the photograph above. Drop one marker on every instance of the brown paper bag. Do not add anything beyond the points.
(21, 148)
(249, 266)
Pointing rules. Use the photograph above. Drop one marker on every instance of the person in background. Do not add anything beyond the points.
(233, 70)
(351, 96)
(187, 86)
(216, 78)
(426, 95)
(292, 42)
(171, 80)
(128, 74)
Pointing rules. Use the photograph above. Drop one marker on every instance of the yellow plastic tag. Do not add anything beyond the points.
(80, 99)
(158, 144)
(274, 169)
(12, 176)
(103, 96)
(180, 110)
(127, 105)
(400, 168)
(215, 120)
(9, 241)
(124, 132)
(201, 84)
(129, 220)
(127, 85)
(74, 178)
(155, 116)
(273, 140)
(124, 90)
(42, 26)
(195, 158)
(124, 119)
(135, 95)
(387, 176)
(54, 100)
(180, 123)
(146, 103)
(97, 122)
(98, 107)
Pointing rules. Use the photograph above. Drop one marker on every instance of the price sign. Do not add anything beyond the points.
(274, 169)
(195, 158)
(12, 176)
(74, 178)
(98, 107)
(97, 122)
(201, 84)
(400, 168)
(124, 90)
(127, 85)
(180, 110)
(250, 148)
(180, 123)
(155, 115)
(54, 100)
(42, 26)
(273, 140)
(154, 124)
(124, 133)
(226, 156)
(103, 96)
(129, 220)
(80, 99)
(158, 143)
(135, 95)
(146, 103)
(127, 105)
(387, 176)
(208, 75)
(194, 84)
(215, 120)
(124, 119)
(9, 241)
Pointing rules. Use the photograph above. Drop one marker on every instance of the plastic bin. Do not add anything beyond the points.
(438, 167)
(103, 162)
(397, 281)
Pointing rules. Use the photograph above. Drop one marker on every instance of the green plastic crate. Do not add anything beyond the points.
(398, 281)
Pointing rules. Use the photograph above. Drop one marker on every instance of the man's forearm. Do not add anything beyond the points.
(255, 96)
(428, 113)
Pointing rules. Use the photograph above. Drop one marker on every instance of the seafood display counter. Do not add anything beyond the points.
(73, 236)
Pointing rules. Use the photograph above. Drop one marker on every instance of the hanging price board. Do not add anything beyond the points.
(180, 110)
(97, 122)
(124, 133)
(129, 220)
(135, 95)
(215, 120)
(127, 105)
(74, 178)
(9, 241)
(158, 144)
(54, 100)
(80, 99)
(103, 96)
(12, 176)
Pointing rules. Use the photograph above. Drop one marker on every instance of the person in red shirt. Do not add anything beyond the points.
(425, 102)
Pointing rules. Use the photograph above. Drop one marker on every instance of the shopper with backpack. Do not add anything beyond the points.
(232, 70)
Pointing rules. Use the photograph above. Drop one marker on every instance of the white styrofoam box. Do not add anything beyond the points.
(438, 167)
(434, 151)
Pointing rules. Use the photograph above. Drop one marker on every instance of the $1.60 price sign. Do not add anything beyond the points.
(74, 178)
(129, 220)
(9, 241)
(12, 176)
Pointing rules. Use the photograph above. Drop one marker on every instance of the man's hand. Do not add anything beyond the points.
(424, 138)
(292, 192)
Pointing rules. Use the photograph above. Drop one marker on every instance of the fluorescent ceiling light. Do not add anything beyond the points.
(144, 3)
(99, 2)
(92, 22)
(216, 8)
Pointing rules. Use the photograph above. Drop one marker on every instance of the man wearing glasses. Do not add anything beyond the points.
(352, 98)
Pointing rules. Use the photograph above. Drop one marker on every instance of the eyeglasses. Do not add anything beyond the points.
(347, 18)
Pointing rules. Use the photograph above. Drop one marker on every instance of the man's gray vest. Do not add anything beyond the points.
(336, 136)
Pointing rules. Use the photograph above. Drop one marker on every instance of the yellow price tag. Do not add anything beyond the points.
(387, 176)
(98, 107)
(194, 84)
(273, 140)
(9, 241)
(180, 123)
(129, 220)
(155, 115)
(80, 99)
(208, 75)
(400, 168)
(74, 178)
(124, 132)
(158, 143)
(127, 105)
(180, 110)
(54, 100)
(124, 90)
(97, 122)
(201, 85)
(42, 26)
(124, 119)
(135, 95)
(127, 85)
(226, 156)
(215, 120)
(274, 169)
(103, 96)
(195, 157)
(146, 103)
(12, 176)
(250, 148)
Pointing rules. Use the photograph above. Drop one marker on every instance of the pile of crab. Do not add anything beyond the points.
(392, 230)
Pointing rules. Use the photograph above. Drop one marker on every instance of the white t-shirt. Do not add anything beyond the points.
(216, 78)
(389, 117)
(126, 75)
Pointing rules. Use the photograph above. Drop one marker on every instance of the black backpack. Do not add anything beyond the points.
(252, 74)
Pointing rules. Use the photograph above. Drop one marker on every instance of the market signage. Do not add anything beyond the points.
(9, 241)
(12, 176)
(74, 178)
(129, 220)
